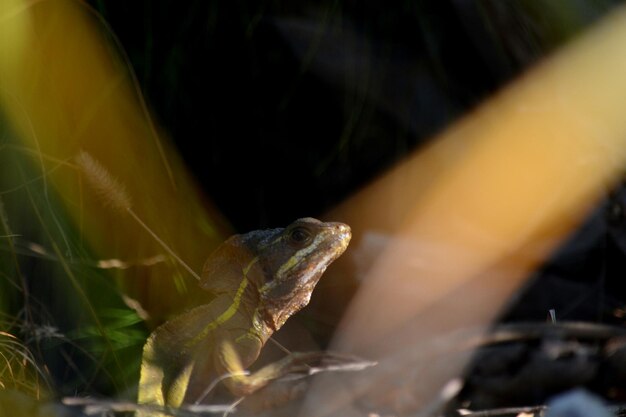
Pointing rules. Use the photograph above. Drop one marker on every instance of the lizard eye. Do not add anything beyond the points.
(300, 235)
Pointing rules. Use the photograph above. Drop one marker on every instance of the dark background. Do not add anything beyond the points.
(281, 109)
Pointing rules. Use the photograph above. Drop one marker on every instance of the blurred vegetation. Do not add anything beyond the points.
(280, 109)
(64, 327)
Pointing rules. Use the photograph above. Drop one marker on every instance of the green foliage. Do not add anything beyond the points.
(62, 319)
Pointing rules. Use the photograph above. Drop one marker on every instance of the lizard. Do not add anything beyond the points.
(260, 279)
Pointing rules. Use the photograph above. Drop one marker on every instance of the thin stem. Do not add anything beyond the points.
(163, 244)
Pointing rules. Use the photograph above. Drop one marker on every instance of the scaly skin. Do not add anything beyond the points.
(260, 279)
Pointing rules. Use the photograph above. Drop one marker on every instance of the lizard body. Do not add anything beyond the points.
(260, 279)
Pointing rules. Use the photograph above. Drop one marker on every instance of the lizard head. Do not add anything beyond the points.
(282, 267)
(293, 262)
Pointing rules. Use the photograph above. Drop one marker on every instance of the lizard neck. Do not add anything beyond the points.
(247, 318)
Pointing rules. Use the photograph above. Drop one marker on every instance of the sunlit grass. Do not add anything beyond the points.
(18, 367)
